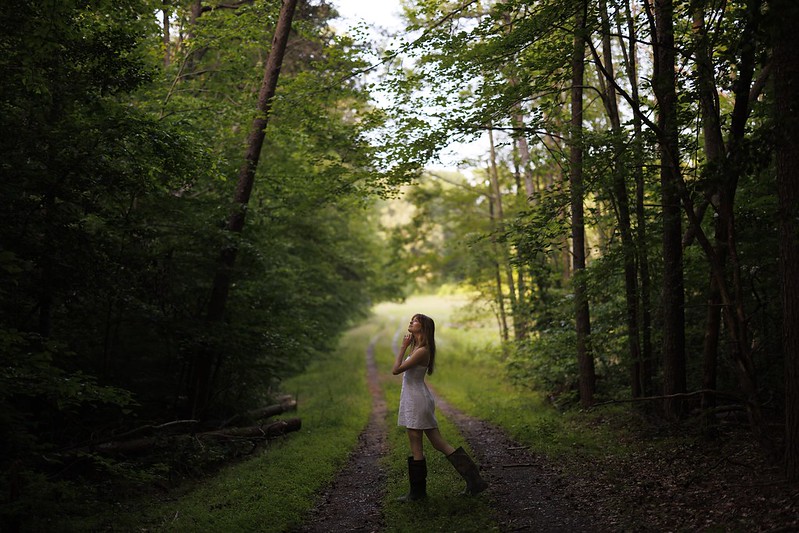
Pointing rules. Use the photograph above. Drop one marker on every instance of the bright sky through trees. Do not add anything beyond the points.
(384, 19)
(384, 13)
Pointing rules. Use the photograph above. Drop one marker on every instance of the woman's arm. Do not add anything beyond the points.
(419, 356)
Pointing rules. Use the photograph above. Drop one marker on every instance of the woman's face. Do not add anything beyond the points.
(415, 326)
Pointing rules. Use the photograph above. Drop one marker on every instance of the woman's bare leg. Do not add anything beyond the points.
(438, 441)
(415, 438)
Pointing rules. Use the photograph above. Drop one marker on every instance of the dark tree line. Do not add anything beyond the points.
(120, 140)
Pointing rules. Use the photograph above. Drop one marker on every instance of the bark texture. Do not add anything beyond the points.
(786, 88)
(673, 298)
(582, 314)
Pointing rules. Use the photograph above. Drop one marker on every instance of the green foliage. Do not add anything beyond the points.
(506, 66)
(117, 181)
(275, 488)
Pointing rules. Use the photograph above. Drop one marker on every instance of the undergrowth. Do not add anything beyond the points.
(274, 490)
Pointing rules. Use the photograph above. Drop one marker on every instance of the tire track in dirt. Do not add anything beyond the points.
(354, 499)
(526, 492)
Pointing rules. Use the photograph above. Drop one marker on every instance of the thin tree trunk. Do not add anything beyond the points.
(522, 325)
(786, 112)
(622, 207)
(524, 153)
(673, 298)
(714, 156)
(203, 365)
(582, 315)
(646, 366)
(500, 226)
(503, 319)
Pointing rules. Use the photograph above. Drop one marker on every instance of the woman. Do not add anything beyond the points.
(417, 410)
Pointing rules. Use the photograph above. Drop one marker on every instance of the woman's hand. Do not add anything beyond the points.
(406, 341)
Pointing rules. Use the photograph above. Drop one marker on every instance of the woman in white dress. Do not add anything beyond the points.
(417, 410)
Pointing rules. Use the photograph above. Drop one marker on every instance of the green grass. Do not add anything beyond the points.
(276, 489)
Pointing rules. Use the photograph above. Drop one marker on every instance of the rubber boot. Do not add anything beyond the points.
(417, 473)
(468, 471)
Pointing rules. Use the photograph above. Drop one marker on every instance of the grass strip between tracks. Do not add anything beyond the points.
(445, 509)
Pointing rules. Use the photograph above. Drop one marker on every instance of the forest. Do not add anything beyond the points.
(199, 197)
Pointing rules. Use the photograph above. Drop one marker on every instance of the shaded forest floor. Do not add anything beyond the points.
(697, 486)
(679, 485)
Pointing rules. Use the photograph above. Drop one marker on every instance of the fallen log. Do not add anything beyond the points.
(269, 431)
(287, 403)
(262, 432)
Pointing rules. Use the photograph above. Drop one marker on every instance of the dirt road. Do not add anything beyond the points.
(526, 494)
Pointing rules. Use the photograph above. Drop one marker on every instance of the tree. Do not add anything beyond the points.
(203, 365)
(785, 17)
(673, 296)
(582, 316)
(621, 201)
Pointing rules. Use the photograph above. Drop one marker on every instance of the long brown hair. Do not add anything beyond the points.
(429, 338)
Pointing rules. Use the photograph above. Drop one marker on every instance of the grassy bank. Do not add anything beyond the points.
(275, 490)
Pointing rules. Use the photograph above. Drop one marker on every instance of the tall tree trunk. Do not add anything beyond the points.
(503, 318)
(582, 315)
(166, 12)
(203, 365)
(714, 157)
(522, 326)
(622, 205)
(786, 93)
(500, 226)
(194, 53)
(735, 315)
(646, 366)
(673, 298)
(730, 299)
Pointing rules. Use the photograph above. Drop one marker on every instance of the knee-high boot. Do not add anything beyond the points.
(417, 474)
(468, 471)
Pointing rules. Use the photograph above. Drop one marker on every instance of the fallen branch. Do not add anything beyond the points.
(165, 425)
(269, 431)
(719, 394)
(287, 403)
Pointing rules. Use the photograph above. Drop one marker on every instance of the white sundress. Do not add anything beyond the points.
(417, 406)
